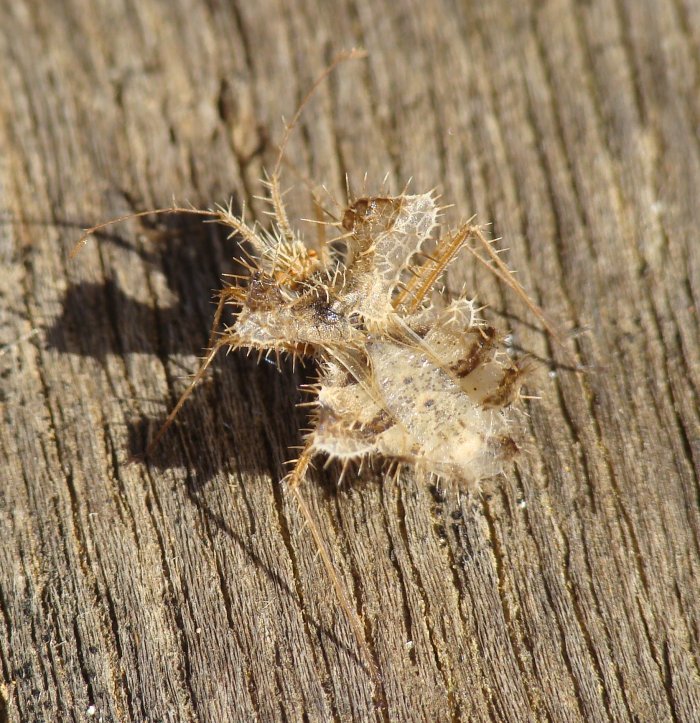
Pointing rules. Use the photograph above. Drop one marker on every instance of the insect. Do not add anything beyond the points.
(402, 375)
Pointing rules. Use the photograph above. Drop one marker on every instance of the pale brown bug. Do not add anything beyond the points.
(400, 377)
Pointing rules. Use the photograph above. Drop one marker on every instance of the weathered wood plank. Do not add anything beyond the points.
(187, 589)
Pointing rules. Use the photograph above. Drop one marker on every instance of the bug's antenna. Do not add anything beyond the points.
(274, 182)
(222, 214)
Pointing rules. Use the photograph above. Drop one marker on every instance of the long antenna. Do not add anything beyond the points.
(274, 182)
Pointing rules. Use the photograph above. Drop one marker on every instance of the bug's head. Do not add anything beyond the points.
(289, 263)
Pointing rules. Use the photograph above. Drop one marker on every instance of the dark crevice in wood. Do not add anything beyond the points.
(493, 703)
(668, 684)
(656, 649)
(581, 621)
(392, 556)
(52, 664)
(565, 556)
(183, 664)
(118, 492)
(547, 174)
(692, 137)
(673, 406)
(5, 650)
(606, 644)
(684, 24)
(83, 558)
(128, 691)
(599, 648)
(243, 36)
(526, 639)
(373, 94)
(232, 628)
(356, 589)
(358, 596)
(626, 526)
(691, 627)
(500, 558)
(425, 602)
(84, 672)
(252, 521)
(630, 56)
(559, 124)
(454, 565)
(619, 677)
(563, 647)
(572, 312)
(588, 51)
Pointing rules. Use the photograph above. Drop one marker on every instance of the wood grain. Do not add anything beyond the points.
(187, 588)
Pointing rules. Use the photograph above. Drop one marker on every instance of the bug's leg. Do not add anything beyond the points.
(496, 266)
(213, 347)
(227, 293)
(154, 212)
(424, 277)
(294, 480)
(206, 362)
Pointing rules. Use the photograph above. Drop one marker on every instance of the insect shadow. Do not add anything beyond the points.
(222, 419)
(100, 320)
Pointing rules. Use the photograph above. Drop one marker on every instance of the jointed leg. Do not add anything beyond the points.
(294, 480)
(208, 359)
(500, 269)
(228, 292)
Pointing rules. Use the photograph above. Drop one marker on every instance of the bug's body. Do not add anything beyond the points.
(404, 376)
(399, 377)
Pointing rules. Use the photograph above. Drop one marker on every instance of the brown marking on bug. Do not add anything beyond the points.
(509, 387)
(369, 216)
(483, 343)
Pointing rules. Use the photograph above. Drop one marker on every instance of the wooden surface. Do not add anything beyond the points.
(187, 589)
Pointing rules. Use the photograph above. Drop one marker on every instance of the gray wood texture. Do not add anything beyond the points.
(187, 588)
